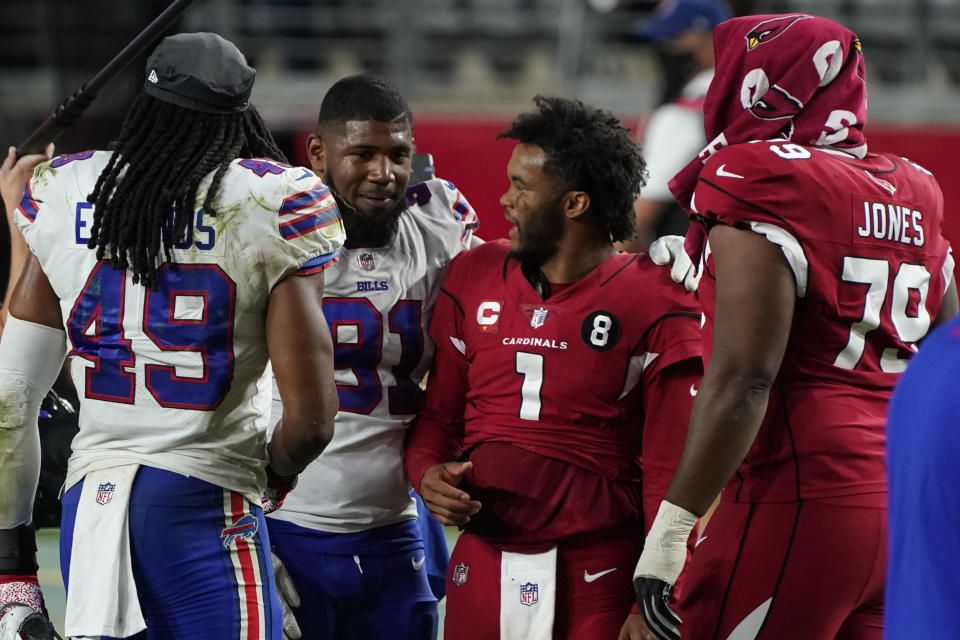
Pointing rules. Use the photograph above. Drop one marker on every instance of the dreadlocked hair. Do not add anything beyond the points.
(587, 149)
(162, 155)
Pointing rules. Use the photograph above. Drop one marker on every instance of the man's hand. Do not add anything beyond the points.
(660, 564)
(15, 173)
(276, 492)
(669, 250)
(635, 629)
(439, 491)
(23, 615)
(288, 598)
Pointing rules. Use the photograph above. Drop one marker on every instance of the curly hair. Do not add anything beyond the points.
(588, 150)
(162, 155)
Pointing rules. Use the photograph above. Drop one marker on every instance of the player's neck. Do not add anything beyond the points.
(575, 258)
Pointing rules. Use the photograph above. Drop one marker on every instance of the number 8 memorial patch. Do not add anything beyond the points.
(600, 330)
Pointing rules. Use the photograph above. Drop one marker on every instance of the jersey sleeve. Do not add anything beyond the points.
(746, 186)
(442, 200)
(42, 198)
(307, 230)
(437, 435)
(674, 331)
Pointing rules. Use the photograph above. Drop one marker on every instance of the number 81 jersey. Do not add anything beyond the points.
(378, 303)
(176, 377)
(864, 242)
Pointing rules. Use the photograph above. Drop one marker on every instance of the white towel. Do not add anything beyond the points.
(528, 595)
(102, 597)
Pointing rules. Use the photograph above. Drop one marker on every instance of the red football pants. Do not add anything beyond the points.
(592, 601)
(809, 570)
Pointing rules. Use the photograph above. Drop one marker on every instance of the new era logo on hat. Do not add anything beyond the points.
(153, 76)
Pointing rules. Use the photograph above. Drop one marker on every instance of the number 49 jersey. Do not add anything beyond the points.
(863, 239)
(175, 377)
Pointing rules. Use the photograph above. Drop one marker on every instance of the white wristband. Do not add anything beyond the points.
(665, 550)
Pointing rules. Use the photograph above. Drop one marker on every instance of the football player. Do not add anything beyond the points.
(823, 264)
(348, 533)
(169, 269)
(559, 362)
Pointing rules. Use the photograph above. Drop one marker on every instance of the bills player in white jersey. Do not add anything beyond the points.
(167, 269)
(348, 532)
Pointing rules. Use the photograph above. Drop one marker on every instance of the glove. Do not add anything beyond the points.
(276, 492)
(288, 598)
(660, 564)
(23, 615)
(668, 250)
(653, 599)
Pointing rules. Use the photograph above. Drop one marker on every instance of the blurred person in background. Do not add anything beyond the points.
(674, 131)
(360, 561)
(923, 446)
(549, 384)
(821, 266)
(168, 269)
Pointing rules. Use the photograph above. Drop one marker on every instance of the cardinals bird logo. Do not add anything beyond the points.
(770, 29)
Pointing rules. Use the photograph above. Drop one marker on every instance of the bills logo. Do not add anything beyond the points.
(529, 594)
(538, 318)
(769, 29)
(245, 527)
(105, 492)
(365, 259)
(460, 574)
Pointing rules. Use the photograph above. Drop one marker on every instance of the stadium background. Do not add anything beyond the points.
(467, 67)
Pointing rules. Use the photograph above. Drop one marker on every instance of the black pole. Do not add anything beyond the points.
(73, 107)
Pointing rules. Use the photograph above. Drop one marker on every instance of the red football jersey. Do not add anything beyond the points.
(864, 241)
(549, 397)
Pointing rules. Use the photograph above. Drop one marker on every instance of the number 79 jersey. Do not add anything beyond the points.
(864, 242)
(175, 377)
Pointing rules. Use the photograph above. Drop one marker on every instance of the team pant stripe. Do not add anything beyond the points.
(247, 572)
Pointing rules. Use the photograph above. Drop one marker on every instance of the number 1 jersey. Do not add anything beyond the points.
(863, 239)
(549, 398)
(176, 377)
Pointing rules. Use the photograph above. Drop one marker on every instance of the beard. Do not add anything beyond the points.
(366, 229)
(538, 239)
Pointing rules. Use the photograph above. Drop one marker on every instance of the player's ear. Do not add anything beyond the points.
(316, 151)
(575, 203)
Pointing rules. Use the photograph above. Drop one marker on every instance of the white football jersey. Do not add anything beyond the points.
(378, 304)
(177, 378)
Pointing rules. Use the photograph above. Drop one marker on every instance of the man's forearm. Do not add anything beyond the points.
(724, 421)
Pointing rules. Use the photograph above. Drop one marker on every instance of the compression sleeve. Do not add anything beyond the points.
(30, 359)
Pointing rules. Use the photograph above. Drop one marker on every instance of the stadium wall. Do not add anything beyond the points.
(466, 153)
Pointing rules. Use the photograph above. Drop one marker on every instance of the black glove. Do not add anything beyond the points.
(653, 599)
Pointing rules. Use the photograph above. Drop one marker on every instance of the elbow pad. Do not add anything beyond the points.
(30, 359)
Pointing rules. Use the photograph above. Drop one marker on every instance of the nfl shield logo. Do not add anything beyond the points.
(365, 258)
(460, 574)
(105, 492)
(529, 594)
(538, 318)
